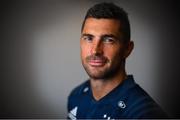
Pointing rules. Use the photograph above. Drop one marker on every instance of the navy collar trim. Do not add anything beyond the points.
(118, 91)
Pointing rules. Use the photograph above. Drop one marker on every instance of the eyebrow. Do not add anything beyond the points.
(110, 35)
(105, 35)
(85, 34)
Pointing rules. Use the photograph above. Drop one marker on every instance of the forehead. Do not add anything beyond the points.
(102, 26)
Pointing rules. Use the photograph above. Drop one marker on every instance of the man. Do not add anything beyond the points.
(109, 93)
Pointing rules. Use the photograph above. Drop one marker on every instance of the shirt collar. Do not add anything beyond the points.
(116, 93)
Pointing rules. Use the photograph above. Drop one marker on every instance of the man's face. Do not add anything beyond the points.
(102, 49)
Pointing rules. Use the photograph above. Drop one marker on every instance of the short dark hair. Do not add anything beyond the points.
(110, 11)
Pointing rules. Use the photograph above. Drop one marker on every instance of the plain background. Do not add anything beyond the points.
(40, 60)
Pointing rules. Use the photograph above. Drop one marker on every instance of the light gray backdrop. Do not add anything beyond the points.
(40, 59)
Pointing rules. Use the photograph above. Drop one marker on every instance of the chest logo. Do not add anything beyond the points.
(72, 114)
(121, 104)
(107, 117)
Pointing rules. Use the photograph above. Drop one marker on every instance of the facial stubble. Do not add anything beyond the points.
(105, 72)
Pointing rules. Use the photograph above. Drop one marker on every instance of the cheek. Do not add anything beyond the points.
(85, 51)
(110, 52)
(114, 54)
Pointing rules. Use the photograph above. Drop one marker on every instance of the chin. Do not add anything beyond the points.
(95, 75)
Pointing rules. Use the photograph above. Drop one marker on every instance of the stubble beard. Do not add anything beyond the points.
(105, 72)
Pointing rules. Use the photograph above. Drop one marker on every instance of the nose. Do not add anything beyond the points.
(97, 47)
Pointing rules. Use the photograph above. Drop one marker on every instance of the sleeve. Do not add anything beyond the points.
(146, 108)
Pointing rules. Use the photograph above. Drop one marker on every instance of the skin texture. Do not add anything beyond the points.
(103, 54)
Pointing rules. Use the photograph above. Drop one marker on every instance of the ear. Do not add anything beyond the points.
(129, 48)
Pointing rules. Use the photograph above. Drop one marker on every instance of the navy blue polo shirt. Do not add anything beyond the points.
(127, 100)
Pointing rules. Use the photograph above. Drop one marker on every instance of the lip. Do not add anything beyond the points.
(97, 63)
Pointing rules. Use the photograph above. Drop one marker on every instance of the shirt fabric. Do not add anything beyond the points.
(127, 100)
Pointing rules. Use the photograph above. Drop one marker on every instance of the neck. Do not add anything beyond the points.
(101, 88)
